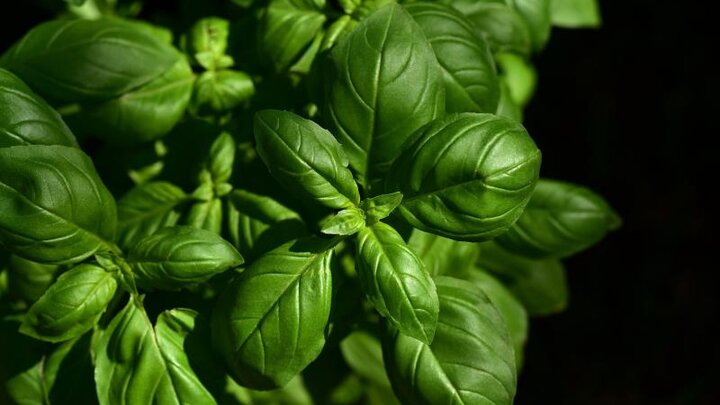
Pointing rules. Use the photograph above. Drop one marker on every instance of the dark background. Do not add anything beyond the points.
(629, 111)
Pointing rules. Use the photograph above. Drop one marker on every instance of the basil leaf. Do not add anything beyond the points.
(540, 285)
(287, 28)
(72, 305)
(466, 176)
(270, 323)
(561, 219)
(507, 107)
(509, 307)
(442, 255)
(55, 207)
(147, 208)
(206, 215)
(346, 222)
(536, 14)
(28, 280)
(221, 158)
(500, 24)
(135, 364)
(178, 256)
(258, 224)
(144, 113)
(374, 101)
(26, 119)
(519, 76)
(219, 91)
(208, 40)
(82, 60)
(379, 207)
(471, 82)
(363, 353)
(396, 282)
(575, 13)
(470, 361)
(305, 158)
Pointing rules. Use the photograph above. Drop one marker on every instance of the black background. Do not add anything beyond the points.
(629, 110)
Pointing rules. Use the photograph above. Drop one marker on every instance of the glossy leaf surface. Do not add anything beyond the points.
(466, 176)
(55, 208)
(270, 323)
(396, 282)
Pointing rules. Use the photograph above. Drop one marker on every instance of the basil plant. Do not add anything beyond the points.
(279, 202)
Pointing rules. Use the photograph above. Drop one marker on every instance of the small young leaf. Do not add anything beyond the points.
(561, 219)
(518, 75)
(178, 256)
(346, 222)
(471, 82)
(396, 282)
(147, 208)
(206, 215)
(305, 158)
(220, 91)
(374, 102)
(30, 121)
(470, 361)
(136, 364)
(539, 284)
(363, 353)
(379, 207)
(221, 158)
(209, 39)
(72, 305)
(270, 323)
(466, 176)
(55, 208)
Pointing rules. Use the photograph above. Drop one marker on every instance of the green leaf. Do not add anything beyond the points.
(396, 282)
(363, 353)
(470, 361)
(539, 284)
(519, 76)
(379, 207)
(21, 370)
(536, 14)
(575, 13)
(507, 107)
(206, 215)
(144, 113)
(287, 28)
(208, 41)
(258, 224)
(147, 208)
(385, 84)
(55, 207)
(82, 60)
(305, 158)
(502, 26)
(471, 82)
(220, 91)
(29, 280)
(72, 305)
(509, 307)
(221, 158)
(561, 219)
(442, 255)
(138, 365)
(466, 176)
(178, 256)
(270, 323)
(346, 222)
(27, 119)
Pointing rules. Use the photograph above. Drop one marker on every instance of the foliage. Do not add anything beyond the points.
(279, 202)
